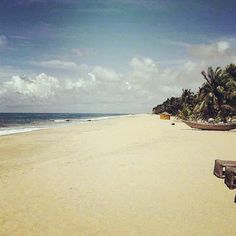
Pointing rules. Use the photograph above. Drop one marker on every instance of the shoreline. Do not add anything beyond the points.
(135, 175)
(25, 128)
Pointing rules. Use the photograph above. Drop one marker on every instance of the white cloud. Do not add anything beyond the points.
(83, 52)
(189, 65)
(179, 43)
(41, 87)
(57, 64)
(223, 46)
(128, 85)
(144, 65)
(3, 40)
(212, 51)
(102, 73)
(104, 89)
(93, 77)
(70, 85)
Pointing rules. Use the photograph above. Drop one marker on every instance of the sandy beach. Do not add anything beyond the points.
(134, 175)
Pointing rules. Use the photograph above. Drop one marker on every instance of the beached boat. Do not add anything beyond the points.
(210, 126)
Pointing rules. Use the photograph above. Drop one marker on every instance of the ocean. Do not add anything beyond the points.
(11, 123)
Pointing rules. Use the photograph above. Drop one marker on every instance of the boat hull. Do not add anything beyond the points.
(218, 127)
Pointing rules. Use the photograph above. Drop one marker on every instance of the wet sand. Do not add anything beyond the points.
(134, 175)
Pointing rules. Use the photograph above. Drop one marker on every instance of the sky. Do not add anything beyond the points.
(123, 56)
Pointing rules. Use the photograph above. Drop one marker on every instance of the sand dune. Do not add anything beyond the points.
(126, 176)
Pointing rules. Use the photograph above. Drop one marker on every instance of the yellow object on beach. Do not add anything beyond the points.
(165, 116)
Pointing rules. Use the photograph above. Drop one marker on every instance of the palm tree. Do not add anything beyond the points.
(231, 70)
(188, 102)
(187, 96)
(230, 86)
(216, 98)
(211, 94)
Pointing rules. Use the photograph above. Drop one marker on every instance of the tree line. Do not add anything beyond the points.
(216, 98)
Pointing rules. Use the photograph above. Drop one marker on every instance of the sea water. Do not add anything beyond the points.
(11, 123)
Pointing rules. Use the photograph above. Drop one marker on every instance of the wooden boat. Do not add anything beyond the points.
(209, 126)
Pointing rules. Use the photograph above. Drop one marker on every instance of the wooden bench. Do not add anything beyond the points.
(230, 177)
(220, 167)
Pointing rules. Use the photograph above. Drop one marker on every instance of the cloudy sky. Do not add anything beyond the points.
(108, 55)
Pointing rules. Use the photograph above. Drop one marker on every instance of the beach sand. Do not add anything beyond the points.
(135, 175)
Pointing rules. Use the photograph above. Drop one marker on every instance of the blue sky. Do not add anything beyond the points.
(108, 56)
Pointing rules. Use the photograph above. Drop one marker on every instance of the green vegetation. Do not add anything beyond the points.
(216, 98)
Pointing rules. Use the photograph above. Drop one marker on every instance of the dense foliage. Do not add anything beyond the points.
(216, 98)
(171, 105)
